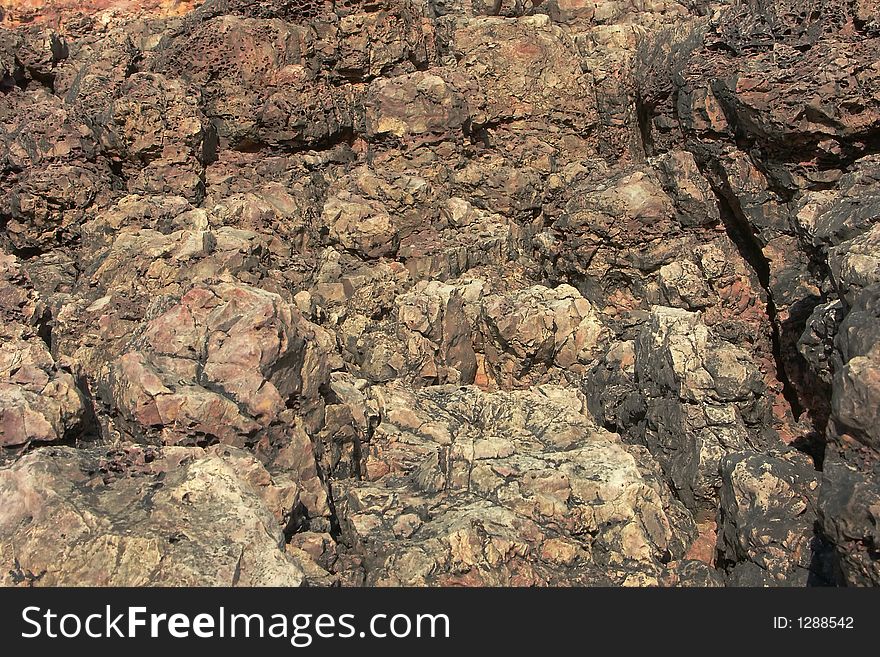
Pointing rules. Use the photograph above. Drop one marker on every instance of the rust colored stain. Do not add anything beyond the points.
(703, 548)
(527, 50)
(56, 12)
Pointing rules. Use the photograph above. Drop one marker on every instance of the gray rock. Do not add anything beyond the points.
(142, 517)
(768, 514)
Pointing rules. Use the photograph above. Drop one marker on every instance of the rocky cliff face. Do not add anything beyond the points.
(440, 292)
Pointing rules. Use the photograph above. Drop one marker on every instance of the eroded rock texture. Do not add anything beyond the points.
(440, 292)
(136, 517)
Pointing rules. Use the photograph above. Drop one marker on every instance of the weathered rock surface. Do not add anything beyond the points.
(436, 292)
(768, 516)
(143, 517)
(792, 154)
(520, 488)
(702, 401)
(40, 401)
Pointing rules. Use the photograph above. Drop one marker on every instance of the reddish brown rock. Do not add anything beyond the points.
(378, 271)
(57, 12)
(244, 347)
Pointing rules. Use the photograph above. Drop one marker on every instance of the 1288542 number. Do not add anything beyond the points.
(825, 622)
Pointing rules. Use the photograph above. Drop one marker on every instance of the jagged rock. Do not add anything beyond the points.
(462, 239)
(454, 332)
(39, 401)
(259, 72)
(50, 177)
(413, 105)
(505, 488)
(855, 264)
(768, 517)
(233, 61)
(848, 509)
(143, 517)
(19, 302)
(361, 227)
(392, 250)
(227, 364)
(611, 389)
(614, 231)
(242, 345)
(156, 124)
(439, 333)
(138, 266)
(703, 400)
(546, 87)
(645, 235)
(380, 38)
(816, 344)
(538, 328)
(350, 417)
(851, 481)
(856, 383)
(305, 112)
(30, 11)
(749, 72)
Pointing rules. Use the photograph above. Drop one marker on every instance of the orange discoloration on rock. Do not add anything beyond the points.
(703, 547)
(57, 12)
